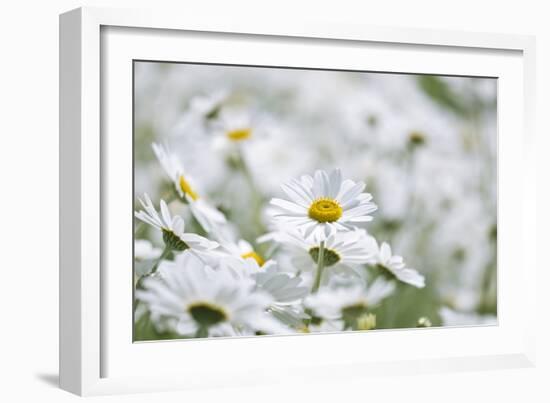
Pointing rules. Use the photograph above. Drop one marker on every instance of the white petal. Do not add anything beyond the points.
(288, 206)
(347, 196)
(296, 195)
(385, 252)
(335, 180)
(165, 214)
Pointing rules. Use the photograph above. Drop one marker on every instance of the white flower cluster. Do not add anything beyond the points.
(223, 287)
(254, 215)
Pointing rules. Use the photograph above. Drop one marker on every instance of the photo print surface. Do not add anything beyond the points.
(278, 201)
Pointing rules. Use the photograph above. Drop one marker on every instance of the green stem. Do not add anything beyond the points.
(162, 256)
(256, 196)
(486, 304)
(320, 267)
(139, 283)
(202, 332)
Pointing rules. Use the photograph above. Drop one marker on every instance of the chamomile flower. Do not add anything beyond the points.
(208, 302)
(393, 266)
(286, 289)
(342, 250)
(324, 203)
(234, 127)
(208, 106)
(243, 250)
(172, 228)
(207, 216)
(348, 302)
(202, 110)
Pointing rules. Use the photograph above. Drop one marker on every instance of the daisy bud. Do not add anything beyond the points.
(366, 322)
(423, 322)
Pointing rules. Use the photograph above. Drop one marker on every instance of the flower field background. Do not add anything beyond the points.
(282, 201)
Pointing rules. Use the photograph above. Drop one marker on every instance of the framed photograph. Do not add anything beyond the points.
(249, 201)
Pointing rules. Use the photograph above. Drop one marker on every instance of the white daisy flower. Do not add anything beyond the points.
(207, 302)
(208, 106)
(286, 289)
(236, 254)
(348, 302)
(324, 203)
(394, 266)
(207, 216)
(202, 110)
(342, 250)
(243, 250)
(173, 228)
(235, 127)
(291, 315)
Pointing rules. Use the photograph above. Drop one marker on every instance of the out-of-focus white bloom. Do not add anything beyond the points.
(173, 228)
(202, 109)
(272, 161)
(207, 302)
(324, 203)
(207, 216)
(395, 266)
(244, 250)
(144, 250)
(235, 127)
(337, 302)
(454, 318)
(207, 106)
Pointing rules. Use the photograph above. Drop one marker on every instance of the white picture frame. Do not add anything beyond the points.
(96, 355)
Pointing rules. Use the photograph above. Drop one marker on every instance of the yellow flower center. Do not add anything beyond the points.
(255, 256)
(187, 189)
(239, 134)
(325, 210)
